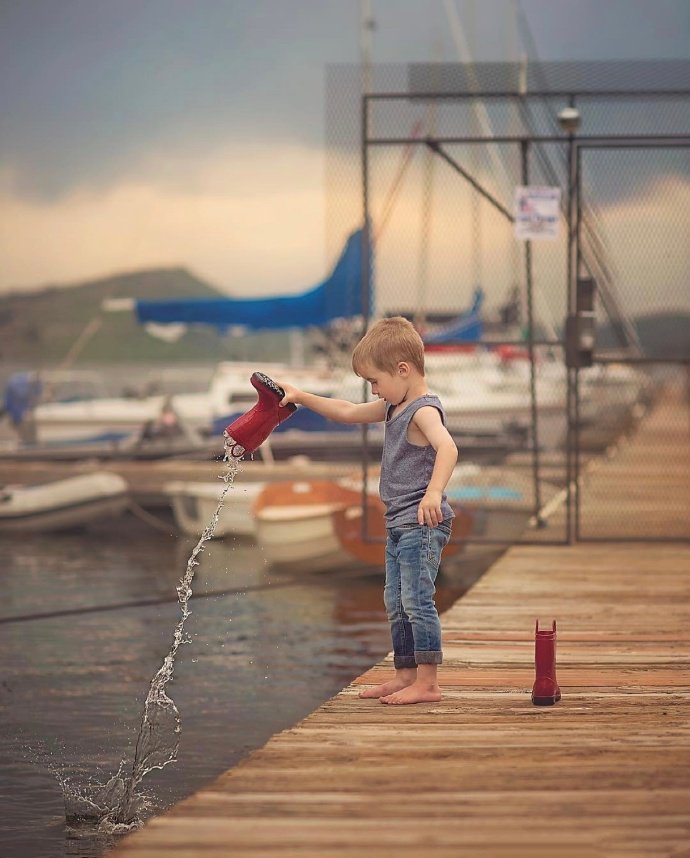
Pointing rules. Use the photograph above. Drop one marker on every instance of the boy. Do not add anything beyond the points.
(418, 459)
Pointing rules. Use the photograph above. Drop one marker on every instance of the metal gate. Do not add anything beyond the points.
(486, 130)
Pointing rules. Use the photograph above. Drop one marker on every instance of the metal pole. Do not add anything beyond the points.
(578, 259)
(367, 232)
(367, 261)
(524, 151)
(366, 30)
(435, 147)
(570, 309)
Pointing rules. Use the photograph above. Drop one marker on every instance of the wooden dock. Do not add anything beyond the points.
(605, 772)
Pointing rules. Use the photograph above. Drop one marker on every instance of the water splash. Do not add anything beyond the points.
(118, 806)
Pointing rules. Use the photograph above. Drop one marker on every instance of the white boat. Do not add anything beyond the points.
(614, 386)
(194, 504)
(317, 525)
(480, 384)
(480, 393)
(295, 523)
(106, 420)
(123, 418)
(65, 504)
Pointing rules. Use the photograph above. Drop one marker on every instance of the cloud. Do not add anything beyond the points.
(158, 133)
(91, 89)
(649, 247)
(248, 219)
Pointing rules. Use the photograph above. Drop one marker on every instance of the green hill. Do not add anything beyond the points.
(40, 328)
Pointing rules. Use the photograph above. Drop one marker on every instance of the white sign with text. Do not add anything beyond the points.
(537, 212)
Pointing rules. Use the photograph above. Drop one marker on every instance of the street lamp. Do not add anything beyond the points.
(569, 120)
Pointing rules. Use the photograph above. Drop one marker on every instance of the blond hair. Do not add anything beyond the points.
(386, 344)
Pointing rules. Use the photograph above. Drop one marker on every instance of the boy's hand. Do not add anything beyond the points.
(291, 393)
(429, 511)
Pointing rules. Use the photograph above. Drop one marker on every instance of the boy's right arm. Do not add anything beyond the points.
(340, 410)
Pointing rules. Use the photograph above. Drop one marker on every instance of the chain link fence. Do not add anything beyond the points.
(432, 157)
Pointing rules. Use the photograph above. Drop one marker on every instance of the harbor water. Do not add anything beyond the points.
(85, 621)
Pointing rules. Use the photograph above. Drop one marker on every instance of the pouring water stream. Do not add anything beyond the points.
(117, 806)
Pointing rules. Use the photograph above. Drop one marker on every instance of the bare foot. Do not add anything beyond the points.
(387, 688)
(415, 693)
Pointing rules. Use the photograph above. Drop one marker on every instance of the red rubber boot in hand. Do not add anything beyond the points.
(250, 430)
(545, 691)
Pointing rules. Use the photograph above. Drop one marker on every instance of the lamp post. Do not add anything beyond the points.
(569, 120)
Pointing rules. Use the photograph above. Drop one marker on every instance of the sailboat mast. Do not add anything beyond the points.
(367, 25)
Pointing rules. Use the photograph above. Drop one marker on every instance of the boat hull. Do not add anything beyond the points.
(195, 503)
(318, 525)
(301, 539)
(62, 504)
(295, 524)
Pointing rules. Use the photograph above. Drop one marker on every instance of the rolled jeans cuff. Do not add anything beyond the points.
(428, 656)
(403, 661)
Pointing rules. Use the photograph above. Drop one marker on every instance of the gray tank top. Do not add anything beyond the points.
(406, 468)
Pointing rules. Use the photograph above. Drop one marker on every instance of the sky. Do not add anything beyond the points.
(144, 133)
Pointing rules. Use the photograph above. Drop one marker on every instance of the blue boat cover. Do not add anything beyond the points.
(339, 296)
(467, 328)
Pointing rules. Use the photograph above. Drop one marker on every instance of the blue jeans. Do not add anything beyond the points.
(413, 555)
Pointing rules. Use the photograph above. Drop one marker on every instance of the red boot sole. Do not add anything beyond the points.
(546, 701)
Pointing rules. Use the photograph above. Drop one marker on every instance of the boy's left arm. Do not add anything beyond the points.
(428, 421)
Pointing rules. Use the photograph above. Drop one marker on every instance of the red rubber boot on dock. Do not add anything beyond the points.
(250, 430)
(545, 691)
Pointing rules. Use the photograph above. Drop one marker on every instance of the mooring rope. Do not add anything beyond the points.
(169, 599)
